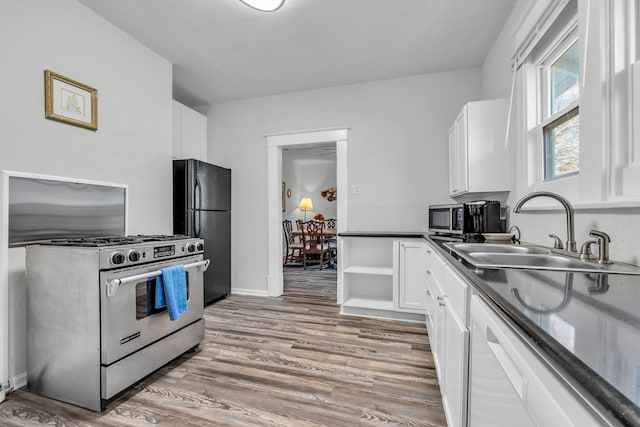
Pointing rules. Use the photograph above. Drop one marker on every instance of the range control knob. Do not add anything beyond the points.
(117, 258)
(191, 247)
(134, 256)
(200, 246)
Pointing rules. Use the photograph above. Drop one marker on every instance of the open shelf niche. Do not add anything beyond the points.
(368, 272)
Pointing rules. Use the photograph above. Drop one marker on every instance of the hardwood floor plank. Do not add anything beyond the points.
(287, 361)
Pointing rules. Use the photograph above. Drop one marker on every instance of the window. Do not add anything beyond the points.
(560, 111)
(577, 93)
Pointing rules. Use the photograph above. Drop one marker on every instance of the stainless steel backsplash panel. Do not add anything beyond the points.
(42, 209)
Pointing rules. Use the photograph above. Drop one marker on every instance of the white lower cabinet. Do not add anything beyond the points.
(510, 386)
(488, 377)
(495, 384)
(456, 368)
(412, 256)
(382, 277)
(447, 297)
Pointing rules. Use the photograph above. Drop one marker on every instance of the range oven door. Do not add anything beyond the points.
(128, 318)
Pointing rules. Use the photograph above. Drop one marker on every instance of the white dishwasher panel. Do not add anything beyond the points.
(493, 400)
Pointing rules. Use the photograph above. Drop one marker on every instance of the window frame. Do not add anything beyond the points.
(568, 113)
(609, 66)
(542, 62)
(530, 103)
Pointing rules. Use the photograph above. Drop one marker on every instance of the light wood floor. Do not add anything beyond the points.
(288, 361)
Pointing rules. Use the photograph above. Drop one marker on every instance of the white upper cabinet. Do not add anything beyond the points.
(478, 158)
(189, 133)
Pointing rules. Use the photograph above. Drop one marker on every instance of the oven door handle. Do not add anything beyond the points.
(112, 285)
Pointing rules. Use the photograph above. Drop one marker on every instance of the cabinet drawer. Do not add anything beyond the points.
(435, 264)
(457, 290)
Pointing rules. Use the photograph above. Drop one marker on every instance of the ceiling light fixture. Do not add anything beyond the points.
(264, 5)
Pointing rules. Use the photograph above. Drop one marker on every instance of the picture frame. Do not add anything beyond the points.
(70, 102)
(284, 200)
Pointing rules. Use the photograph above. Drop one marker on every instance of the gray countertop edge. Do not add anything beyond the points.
(398, 234)
(601, 398)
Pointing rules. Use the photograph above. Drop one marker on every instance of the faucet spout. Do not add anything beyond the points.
(571, 240)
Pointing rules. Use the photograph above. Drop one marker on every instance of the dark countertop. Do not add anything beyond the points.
(399, 234)
(584, 327)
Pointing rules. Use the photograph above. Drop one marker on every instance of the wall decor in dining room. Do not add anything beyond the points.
(284, 201)
(330, 194)
(69, 101)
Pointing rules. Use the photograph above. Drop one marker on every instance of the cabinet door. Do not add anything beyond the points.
(189, 133)
(493, 401)
(430, 302)
(194, 135)
(435, 296)
(437, 340)
(453, 165)
(412, 276)
(456, 367)
(462, 162)
(458, 160)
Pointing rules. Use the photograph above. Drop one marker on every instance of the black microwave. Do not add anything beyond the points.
(482, 216)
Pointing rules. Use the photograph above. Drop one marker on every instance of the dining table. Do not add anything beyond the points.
(329, 233)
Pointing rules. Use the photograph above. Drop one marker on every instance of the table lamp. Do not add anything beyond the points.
(306, 205)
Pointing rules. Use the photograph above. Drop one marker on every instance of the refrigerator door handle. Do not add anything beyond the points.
(197, 194)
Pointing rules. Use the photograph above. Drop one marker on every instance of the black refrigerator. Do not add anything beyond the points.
(202, 208)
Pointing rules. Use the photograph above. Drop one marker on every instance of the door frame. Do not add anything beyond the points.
(298, 139)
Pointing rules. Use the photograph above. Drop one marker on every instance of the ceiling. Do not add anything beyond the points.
(318, 153)
(222, 50)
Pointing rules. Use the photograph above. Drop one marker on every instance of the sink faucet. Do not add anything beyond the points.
(603, 241)
(571, 240)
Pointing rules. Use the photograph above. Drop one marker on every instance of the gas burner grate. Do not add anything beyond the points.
(94, 241)
(101, 241)
(160, 237)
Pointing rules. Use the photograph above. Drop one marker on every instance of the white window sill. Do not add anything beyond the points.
(619, 203)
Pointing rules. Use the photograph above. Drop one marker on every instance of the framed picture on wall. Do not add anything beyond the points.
(69, 101)
(284, 200)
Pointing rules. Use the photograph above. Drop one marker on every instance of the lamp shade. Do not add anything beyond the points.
(305, 204)
(264, 5)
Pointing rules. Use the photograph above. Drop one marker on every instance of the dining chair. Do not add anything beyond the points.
(315, 248)
(333, 241)
(293, 246)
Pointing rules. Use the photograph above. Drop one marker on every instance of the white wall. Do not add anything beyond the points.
(397, 152)
(133, 142)
(623, 225)
(307, 178)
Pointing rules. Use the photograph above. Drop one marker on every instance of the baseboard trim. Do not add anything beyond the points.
(19, 381)
(15, 382)
(249, 292)
(382, 314)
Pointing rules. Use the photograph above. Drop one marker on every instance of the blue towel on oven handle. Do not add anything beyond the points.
(171, 291)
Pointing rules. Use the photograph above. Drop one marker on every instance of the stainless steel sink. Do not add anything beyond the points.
(497, 248)
(482, 255)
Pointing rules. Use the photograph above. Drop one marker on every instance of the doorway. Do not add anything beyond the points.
(275, 145)
(309, 174)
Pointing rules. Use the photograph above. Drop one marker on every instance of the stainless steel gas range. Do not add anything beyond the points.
(93, 329)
